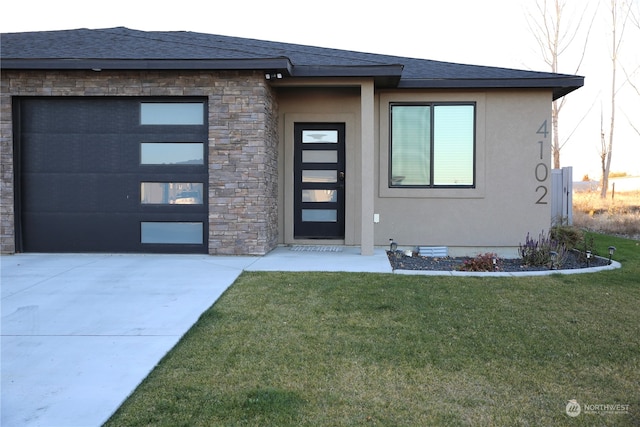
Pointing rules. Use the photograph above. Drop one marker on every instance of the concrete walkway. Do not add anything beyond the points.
(80, 332)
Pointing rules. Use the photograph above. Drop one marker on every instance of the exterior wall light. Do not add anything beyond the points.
(612, 249)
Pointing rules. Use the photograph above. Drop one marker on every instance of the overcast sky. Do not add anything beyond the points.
(487, 32)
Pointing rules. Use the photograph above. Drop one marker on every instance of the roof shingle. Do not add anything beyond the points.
(115, 47)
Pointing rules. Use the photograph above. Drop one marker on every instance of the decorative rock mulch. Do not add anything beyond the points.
(400, 261)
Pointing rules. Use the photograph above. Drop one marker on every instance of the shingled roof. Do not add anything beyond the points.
(125, 49)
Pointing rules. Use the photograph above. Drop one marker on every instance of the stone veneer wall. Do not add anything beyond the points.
(243, 142)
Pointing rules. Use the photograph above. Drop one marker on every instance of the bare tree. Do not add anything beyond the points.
(637, 91)
(634, 17)
(620, 15)
(553, 39)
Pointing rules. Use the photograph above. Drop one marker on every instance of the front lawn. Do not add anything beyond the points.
(347, 349)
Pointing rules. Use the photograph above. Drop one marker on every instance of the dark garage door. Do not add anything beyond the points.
(111, 175)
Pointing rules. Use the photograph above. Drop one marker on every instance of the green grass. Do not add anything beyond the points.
(347, 349)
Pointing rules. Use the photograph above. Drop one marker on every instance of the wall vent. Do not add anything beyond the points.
(433, 251)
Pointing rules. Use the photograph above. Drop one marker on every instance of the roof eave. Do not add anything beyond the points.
(384, 75)
(560, 86)
(272, 64)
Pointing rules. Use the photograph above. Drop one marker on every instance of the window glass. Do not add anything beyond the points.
(410, 148)
(319, 176)
(172, 113)
(319, 136)
(319, 156)
(432, 145)
(319, 215)
(170, 153)
(170, 193)
(453, 145)
(319, 196)
(171, 232)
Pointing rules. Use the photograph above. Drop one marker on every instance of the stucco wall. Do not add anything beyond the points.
(512, 173)
(243, 156)
(320, 105)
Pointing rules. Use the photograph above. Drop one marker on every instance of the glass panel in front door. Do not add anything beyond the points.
(320, 136)
(319, 187)
(319, 156)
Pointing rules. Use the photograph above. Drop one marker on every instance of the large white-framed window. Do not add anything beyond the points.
(432, 145)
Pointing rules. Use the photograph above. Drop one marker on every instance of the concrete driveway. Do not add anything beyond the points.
(79, 332)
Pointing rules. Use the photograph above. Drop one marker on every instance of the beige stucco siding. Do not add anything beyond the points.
(499, 212)
(495, 215)
(320, 105)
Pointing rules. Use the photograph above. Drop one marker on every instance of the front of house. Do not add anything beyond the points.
(118, 140)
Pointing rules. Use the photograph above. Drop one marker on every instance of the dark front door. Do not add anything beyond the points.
(320, 175)
(111, 175)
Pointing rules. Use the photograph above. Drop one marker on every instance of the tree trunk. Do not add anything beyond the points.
(555, 110)
(604, 182)
(606, 155)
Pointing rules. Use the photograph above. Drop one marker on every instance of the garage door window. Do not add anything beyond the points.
(171, 232)
(171, 153)
(171, 193)
(172, 113)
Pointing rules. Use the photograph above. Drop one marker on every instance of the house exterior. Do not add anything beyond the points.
(117, 140)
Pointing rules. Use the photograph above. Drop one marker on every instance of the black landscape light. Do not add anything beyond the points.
(554, 257)
(392, 245)
(612, 249)
(588, 258)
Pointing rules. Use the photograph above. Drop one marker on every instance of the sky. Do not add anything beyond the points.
(487, 32)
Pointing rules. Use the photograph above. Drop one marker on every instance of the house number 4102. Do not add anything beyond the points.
(542, 170)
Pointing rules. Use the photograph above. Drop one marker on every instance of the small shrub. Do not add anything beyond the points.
(538, 253)
(587, 246)
(484, 262)
(569, 236)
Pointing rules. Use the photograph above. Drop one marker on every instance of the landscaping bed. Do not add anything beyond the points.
(400, 261)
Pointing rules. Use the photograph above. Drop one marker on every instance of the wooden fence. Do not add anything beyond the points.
(561, 196)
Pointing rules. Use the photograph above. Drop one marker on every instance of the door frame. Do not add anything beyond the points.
(352, 196)
(320, 230)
